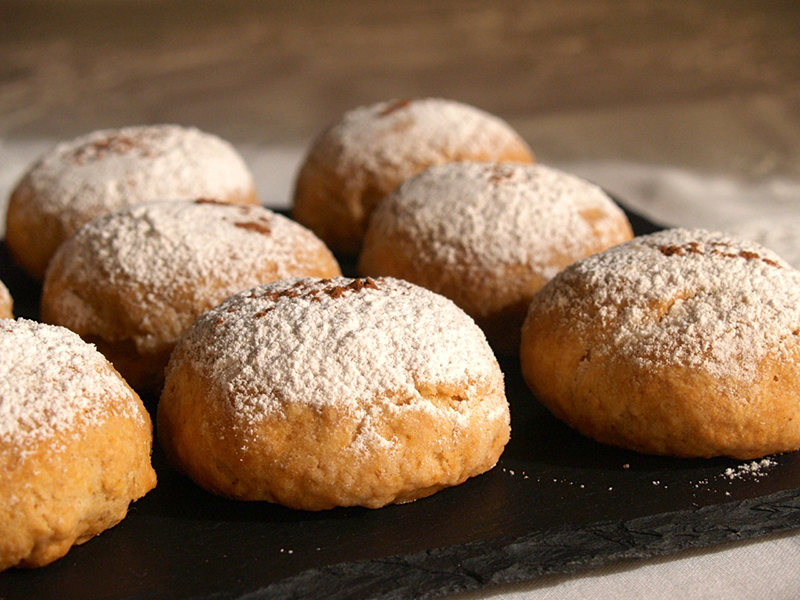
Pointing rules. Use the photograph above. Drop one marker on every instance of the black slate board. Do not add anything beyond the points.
(556, 503)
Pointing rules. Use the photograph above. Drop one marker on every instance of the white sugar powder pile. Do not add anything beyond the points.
(755, 467)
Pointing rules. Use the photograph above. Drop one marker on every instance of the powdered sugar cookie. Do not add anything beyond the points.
(6, 303)
(75, 444)
(489, 236)
(104, 171)
(133, 281)
(683, 342)
(334, 392)
(372, 149)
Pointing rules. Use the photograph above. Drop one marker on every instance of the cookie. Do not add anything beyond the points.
(75, 444)
(683, 343)
(316, 393)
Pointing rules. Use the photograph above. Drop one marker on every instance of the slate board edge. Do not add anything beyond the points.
(461, 568)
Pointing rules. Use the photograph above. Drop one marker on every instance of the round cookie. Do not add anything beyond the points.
(133, 281)
(99, 173)
(683, 342)
(372, 149)
(334, 392)
(489, 236)
(6, 303)
(75, 444)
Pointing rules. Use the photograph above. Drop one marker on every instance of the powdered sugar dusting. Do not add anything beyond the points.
(399, 135)
(754, 467)
(50, 379)
(164, 244)
(339, 341)
(695, 298)
(158, 252)
(110, 169)
(491, 215)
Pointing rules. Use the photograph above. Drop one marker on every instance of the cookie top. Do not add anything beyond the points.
(52, 382)
(165, 262)
(399, 134)
(690, 298)
(342, 341)
(110, 169)
(163, 245)
(489, 215)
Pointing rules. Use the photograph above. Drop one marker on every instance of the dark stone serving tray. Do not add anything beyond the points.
(556, 503)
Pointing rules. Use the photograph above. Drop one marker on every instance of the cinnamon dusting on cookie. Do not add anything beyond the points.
(395, 106)
(114, 143)
(500, 173)
(330, 287)
(261, 226)
(714, 249)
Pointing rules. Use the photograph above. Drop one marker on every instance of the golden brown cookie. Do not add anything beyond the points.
(334, 392)
(104, 171)
(684, 342)
(372, 149)
(489, 236)
(6, 303)
(75, 444)
(133, 281)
